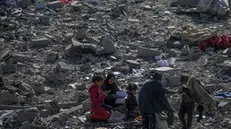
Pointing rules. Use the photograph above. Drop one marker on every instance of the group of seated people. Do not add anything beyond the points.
(103, 95)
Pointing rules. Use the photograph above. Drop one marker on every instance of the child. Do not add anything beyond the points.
(97, 97)
(131, 102)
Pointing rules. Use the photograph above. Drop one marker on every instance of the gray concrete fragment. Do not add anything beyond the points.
(55, 5)
(147, 52)
(133, 64)
(8, 68)
(24, 3)
(45, 20)
(62, 67)
(108, 45)
(18, 58)
(40, 43)
(52, 57)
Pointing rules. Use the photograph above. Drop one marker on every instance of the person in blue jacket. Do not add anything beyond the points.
(152, 100)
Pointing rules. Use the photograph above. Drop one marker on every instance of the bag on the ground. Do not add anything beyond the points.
(161, 121)
(215, 7)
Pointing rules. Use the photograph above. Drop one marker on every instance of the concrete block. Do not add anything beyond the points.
(133, 64)
(24, 3)
(52, 57)
(188, 2)
(27, 116)
(55, 5)
(26, 125)
(40, 43)
(18, 58)
(147, 52)
(62, 67)
(8, 68)
(86, 105)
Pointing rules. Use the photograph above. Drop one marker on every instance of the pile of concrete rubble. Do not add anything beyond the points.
(49, 54)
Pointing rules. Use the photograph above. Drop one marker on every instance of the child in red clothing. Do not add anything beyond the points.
(97, 97)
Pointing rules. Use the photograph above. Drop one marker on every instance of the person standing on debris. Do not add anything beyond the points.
(193, 91)
(152, 100)
(131, 102)
(97, 96)
(111, 87)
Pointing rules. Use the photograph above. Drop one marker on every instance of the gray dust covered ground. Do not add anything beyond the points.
(46, 50)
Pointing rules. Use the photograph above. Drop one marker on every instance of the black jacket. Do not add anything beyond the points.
(131, 102)
(152, 97)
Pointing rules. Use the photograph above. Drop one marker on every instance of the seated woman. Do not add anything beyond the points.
(97, 96)
(110, 86)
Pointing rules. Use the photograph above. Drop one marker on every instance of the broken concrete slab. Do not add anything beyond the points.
(134, 20)
(8, 68)
(108, 45)
(77, 48)
(44, 20)
(52, 57)
(6, 54)
(148, 52)
(188, 2)
(18, 58)
(62, 67)
(24, 3)
(40, 43)
(26, 125)
(133, 64)
(64, 113)
(55, 5)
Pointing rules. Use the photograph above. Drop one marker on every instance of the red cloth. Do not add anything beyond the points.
(99, 113)
(97, 97)
(218, 42)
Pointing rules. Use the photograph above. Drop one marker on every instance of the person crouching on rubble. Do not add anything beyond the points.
(192, 92)
(131, 102)
(97, 97)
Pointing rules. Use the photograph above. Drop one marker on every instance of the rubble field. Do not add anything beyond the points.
(49, 55)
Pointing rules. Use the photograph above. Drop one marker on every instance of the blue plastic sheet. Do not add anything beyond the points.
(223, 95)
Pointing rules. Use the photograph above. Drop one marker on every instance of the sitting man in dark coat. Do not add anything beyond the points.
(152, 100)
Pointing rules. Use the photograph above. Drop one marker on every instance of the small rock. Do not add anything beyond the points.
(85, 67)
(18, 58)
(68, 37)
(26, 125)
(76, 7)
(38, 88)
(124, 69)
(52, 57)
(134, 20)
(147, 7)
(128, 57)
(62, 67)
(77, 48)
(40, 43)
(228, 52)
(55, 5)
(45, 20)
(148, 52)
(24, 3)
(133, 64)
(8, 68)
(108, 45)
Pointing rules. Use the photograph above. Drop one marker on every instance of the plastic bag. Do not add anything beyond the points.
(161, 121)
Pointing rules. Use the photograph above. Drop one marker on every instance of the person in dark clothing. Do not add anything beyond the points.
(131, 102)
(152, 100)
(110, 86)
(187, 105)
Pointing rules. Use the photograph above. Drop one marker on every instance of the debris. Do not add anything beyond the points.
(40, 43)
(147, 52)
(55, 5)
